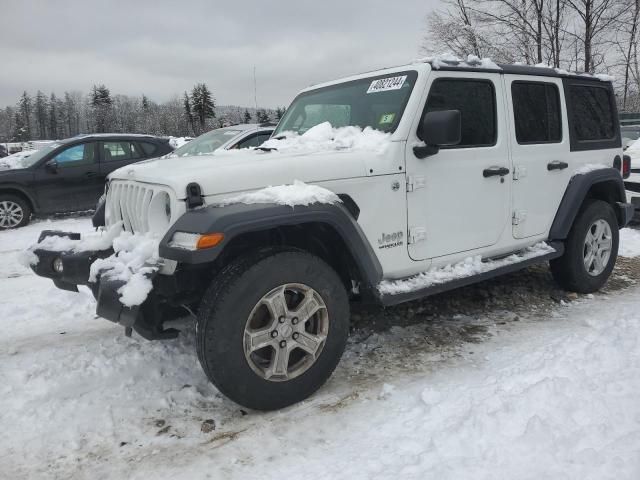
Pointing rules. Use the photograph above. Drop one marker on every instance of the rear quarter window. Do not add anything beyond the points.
(149, 149)
(593, 119)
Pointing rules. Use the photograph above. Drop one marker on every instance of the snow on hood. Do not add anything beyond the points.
(297, 194)
(323, 137)
(323, 153)
(14, 161)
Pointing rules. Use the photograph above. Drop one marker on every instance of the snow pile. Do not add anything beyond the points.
(589, 167)
(324, 137)
(629, 243)
(448, 59)
(297, 194)
(135, 258)
(466, 268)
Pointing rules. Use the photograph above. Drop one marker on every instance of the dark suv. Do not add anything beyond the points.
(69, 175)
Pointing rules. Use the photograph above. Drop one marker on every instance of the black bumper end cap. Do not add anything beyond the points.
(109, 305)
(627, 210)
(62, 285)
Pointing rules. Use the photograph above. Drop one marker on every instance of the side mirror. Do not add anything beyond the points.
(439, 129)
(51, 166)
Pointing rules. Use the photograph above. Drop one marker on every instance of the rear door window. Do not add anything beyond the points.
(119, 151)
(476, 101)
(536, 112)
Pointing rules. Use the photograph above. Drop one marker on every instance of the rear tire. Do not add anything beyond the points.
(15, 212)
(272, 327)
(591, 249)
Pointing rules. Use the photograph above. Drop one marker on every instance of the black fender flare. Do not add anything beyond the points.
(8, 187)
(577, 191)
(236, 219)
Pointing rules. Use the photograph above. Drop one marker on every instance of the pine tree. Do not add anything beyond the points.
(41, 115)
(202, 104)
(54, 119)
(247, 116)
(145, 102)
(188, 112)
(279, 113)
(101, 104)
(23, 123)
(263, 116)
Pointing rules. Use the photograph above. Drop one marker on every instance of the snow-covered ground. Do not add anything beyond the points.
(546, 391)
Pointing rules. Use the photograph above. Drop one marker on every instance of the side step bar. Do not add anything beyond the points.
(394, 299)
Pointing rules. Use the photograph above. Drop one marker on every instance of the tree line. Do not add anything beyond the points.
(50, 117)
(593, 36)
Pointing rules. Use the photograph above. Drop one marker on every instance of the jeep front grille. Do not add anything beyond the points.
(140, 207)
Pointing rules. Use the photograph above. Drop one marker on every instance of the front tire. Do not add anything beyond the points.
(272, 327)
(591, 249)
(15, 212)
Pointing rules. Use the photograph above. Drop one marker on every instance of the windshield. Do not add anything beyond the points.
(376, 102)
(206, 143)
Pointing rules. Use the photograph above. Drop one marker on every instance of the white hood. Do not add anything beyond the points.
(236, 171)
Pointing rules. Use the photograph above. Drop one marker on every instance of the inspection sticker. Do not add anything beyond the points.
(387, 118)
(386, 84)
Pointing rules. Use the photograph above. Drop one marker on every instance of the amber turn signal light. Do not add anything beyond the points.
(209, 240)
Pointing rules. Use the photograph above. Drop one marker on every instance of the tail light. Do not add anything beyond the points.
(626, 166)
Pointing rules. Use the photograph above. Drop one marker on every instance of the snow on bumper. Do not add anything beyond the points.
(120, 279)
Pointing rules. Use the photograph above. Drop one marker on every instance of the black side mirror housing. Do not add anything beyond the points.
(439, 129)
(51, 166)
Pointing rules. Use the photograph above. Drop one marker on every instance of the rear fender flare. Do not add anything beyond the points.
(577, 191)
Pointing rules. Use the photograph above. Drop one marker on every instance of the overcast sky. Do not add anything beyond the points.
(161, 48)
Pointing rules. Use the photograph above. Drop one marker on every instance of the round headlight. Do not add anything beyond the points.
(160, 212)
(57, 265)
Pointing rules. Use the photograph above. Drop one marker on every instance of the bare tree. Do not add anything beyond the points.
(596, 18)
(626, 41)
(454, 29)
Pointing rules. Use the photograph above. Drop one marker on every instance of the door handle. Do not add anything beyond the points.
(557, 165)
(495, 172)
(91, 174)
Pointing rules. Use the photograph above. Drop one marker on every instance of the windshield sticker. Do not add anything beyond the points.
(387, 118)
(386, 84)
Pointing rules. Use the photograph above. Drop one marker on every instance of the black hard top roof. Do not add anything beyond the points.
(514, 70)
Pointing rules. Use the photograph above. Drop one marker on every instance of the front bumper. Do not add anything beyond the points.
(76, 270)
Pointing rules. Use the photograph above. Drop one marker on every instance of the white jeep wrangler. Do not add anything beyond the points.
(466, 171)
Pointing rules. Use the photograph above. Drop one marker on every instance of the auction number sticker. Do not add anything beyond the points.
(386, 84)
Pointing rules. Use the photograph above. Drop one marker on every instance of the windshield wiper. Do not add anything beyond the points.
(266, 149)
